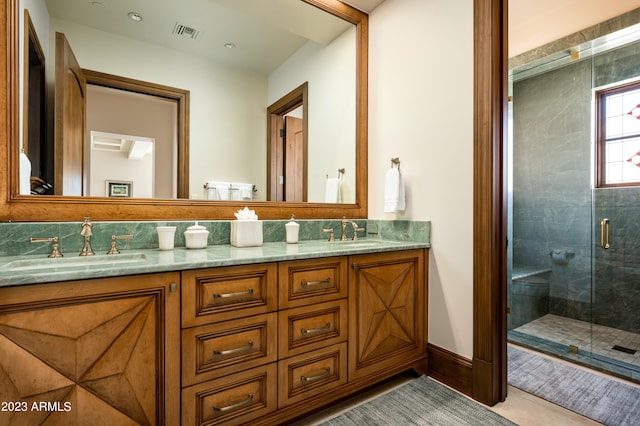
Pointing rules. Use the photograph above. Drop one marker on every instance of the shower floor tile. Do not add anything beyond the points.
(567, 331)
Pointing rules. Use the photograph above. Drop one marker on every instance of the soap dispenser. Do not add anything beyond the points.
(292, 229)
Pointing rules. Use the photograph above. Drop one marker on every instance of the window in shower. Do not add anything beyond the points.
(618, 136)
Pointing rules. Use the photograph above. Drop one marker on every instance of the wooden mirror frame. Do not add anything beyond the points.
(27, 208)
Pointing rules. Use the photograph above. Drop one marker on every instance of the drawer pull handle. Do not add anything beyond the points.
(248, 347)
(313, 283)
(327, 326)
(234, 406)
(326, 373)
(240, 293)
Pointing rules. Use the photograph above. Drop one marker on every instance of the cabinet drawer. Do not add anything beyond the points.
(311, 327)
(304, 282)
(226, 293)
(214, 350)
(312, 373)
(234, 400)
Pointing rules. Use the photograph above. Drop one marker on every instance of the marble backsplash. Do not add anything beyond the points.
(16, 236)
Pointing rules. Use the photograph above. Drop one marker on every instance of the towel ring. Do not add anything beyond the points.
(395, 161)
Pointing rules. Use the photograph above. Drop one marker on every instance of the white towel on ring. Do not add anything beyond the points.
(394, 191)
(332, 193)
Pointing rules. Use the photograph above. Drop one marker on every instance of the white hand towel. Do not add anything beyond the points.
(246, 193)
(394, 191)
(25, 174)
(223, 191)
(332, 193)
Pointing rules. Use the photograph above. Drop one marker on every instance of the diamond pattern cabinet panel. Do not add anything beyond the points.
(387, 311)
(91, 352)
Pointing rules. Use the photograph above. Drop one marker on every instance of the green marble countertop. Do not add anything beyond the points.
(32, 269)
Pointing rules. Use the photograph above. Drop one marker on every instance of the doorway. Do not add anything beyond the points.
(166, 98)
(35, 143)
(121, 126)
(287, 138)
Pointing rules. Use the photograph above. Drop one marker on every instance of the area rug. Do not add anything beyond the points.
(422, 401)
(603, 399)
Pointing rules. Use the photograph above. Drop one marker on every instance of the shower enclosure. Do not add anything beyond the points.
(574, 247)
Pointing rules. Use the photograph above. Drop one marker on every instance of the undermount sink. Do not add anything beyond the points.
(73, 262)
(358, 244)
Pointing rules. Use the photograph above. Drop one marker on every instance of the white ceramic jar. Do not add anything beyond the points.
(195, 237)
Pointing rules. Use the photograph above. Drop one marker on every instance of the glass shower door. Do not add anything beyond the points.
(616, 246)
(551, 209)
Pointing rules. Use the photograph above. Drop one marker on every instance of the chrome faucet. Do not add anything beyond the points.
(86, 233)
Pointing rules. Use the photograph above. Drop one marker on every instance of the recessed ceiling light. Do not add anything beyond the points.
(97, 4)
(135, 16)
(230, 45)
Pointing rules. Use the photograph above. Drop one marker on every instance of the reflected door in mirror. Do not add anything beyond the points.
(69, 126)
(294, 159)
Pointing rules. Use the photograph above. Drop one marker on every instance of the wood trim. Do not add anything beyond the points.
(14, 207)
(601, 136)
(9, 181)
(180, 96)
(451, 369)
(489, 219)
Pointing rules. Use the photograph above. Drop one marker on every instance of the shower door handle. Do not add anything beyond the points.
(605, 237)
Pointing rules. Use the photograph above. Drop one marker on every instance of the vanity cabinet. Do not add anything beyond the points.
(387, 312)
(97, 351)
(258, 344)
(263, 344)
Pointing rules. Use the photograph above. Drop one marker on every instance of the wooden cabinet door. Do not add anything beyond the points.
(91, 352)
(387, 311)
(70, 122)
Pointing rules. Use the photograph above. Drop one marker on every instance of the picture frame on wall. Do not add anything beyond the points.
(119, 188)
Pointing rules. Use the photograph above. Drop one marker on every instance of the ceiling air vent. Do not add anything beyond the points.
(183, 30)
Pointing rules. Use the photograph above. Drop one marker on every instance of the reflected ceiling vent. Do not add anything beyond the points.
(183, 30)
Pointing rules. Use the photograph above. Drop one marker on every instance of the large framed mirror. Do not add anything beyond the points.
(240, 93)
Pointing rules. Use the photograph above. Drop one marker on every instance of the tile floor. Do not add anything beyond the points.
(569, 331)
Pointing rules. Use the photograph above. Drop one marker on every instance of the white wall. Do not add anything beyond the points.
(227, 106)
(421, 110)
(331, 73)
(116, 167)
